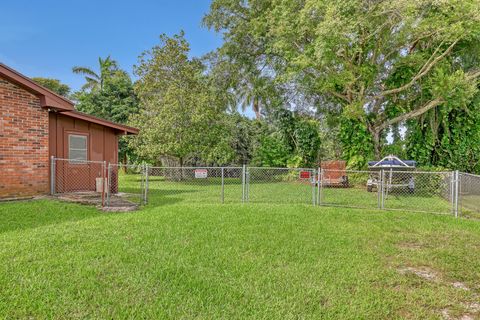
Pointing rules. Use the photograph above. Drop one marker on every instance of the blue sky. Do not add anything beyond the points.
(47, 38)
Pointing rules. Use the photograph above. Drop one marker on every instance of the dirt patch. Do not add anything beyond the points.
(473, 307)
(117, 203)
(431, 275)
(471, 311)
(410, 245)
(460, 285)
(466, 316)
(422, 272)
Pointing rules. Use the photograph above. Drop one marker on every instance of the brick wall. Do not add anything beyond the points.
(23, 143)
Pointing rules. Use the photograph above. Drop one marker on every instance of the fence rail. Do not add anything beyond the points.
(440, 192)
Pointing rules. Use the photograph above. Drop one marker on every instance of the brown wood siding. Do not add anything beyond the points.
(102, 145)
(102, 141)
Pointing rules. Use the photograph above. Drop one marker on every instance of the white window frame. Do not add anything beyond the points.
(84, 136)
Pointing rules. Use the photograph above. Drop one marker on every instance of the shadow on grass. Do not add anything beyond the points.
(21, 215)
(160, 202)
(195, 182)
(158, 198)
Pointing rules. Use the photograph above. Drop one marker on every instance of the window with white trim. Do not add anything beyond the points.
(77, 147)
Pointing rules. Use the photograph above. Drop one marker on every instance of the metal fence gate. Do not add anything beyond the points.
(350, 188)
(389, 189)
(126, 182)
(419, 191)
(469, 194)
(78, 177)
(439, 192)
(280, 185)
(194, 184)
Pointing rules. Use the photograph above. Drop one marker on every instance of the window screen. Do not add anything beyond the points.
(77, 147)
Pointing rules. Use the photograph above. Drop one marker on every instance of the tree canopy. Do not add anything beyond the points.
(116, 101)
(109, 95)
(53, 84)
(95, 80)
(179, 116)
(325, 79)
(378, 63)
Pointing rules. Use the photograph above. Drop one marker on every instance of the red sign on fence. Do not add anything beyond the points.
(305, 174)
(201, 173)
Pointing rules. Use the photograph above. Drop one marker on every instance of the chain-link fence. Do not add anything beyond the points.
(194, 184)
(388, 189)
(469, 194)
(75, 178)
(440, 192)
(280, 185)
(349, 188)
(126, 184)
(418, 191)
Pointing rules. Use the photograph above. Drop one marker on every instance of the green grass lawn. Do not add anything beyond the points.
(188, 259)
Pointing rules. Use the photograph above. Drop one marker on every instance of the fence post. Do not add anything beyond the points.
(379, 189)
(104, 168)
(452, 191)
(314, 186)
(243, 183)
(320, 197)
(317, 184)
(142, 183)
(223, 186)
(382, 188)
(247, 184)
(457, 192)
(145, 196)
(52, 175)
(109, 183)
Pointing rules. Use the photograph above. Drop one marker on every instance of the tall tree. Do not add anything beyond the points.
(246, 84)
(179, 116)
(447, 137)
(54, 85)
(115, 102)
(381, 63)
(95, 80)
(113, 98)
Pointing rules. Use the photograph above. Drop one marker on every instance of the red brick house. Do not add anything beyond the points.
(35, 124)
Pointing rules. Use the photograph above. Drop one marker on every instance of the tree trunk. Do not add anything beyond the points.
(181, 168)
(376, 144)
(256, 108)
(125, 162)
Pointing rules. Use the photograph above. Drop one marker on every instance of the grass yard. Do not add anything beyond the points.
(178, 259)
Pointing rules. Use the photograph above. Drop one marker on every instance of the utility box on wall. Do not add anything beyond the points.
(99, 184)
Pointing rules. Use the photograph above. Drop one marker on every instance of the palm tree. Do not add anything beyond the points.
(250, 93)
(95, 81)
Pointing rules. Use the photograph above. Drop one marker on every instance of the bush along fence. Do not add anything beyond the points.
(421, 191)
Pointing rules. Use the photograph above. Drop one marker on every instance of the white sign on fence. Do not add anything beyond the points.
(201, 173)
